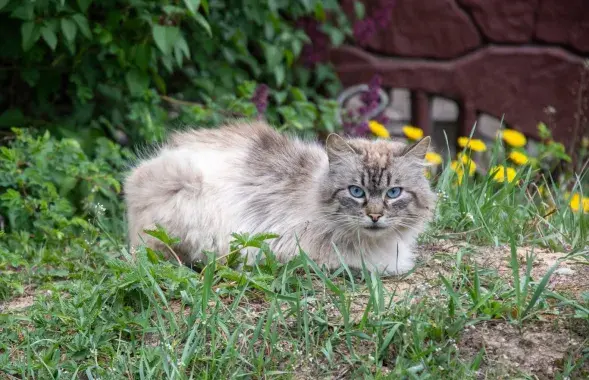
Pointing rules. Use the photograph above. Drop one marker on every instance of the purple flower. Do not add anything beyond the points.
(381, 18)
(260, 99)
(356, 123)
(371, 98)
(364, 30)
(315, 51)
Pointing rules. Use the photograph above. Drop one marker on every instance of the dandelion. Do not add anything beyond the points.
(518, 158)
(500, 173)
(412, 132)
(513, 138)
(459, 166)
(378, 129)
(476, 145)
(433, 158)
(464, 162)
(576, 202)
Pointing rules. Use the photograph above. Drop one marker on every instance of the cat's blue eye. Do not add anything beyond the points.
(394, 192)
(356, 191)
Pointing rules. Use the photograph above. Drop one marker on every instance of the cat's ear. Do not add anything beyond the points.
(336, 146)
(418, 149)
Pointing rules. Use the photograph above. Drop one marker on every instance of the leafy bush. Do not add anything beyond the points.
(94, 68)
(49, 192)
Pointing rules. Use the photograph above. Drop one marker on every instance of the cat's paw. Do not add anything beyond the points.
(396, 270)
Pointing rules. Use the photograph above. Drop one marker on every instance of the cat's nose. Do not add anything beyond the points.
(375, 217)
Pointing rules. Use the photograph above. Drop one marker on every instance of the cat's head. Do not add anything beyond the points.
(378, 187)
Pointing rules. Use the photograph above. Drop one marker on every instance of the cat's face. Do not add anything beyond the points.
(378, 187)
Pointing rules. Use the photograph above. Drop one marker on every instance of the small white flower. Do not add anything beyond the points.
(99, 209)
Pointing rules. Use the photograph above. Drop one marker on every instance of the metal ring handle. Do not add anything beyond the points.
(357, 89)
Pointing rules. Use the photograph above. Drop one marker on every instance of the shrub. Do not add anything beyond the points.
(50, 193)
(103, 68)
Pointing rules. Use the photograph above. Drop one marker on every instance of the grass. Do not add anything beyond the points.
(112, 317)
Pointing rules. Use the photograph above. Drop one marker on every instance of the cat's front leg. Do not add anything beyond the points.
(393, 261)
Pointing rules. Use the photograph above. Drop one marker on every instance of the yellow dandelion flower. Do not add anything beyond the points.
(433, 157)
(500, 173)
(518, 158)
(412, 132)
(465, 158)
(378, 129)
(476, 145)
(513, 138)
(459, 167)
(467, 162)
(577, 202)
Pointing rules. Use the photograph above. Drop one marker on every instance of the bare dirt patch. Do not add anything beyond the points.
(539, 349)
(17, 303)
(571, 275)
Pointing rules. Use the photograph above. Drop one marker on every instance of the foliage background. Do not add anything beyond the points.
(85, 68)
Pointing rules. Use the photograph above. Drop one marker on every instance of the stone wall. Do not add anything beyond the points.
(523, 60)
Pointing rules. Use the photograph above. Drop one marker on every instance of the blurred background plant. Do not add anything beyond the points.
(85, 69)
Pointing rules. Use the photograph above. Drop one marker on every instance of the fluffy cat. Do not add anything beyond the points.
(368, 198)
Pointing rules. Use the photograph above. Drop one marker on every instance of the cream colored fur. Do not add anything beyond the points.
(205, 184)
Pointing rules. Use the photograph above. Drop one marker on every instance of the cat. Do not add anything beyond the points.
(368, 198)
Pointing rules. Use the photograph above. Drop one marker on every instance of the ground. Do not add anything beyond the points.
(489, 332)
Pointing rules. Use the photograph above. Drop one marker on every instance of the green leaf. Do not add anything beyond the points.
(142, 56)
(183, 46)
(359, 9)
(82, 22)
(49, 36)
(31, 76)
(203, 22)
(12, 118)
(3, 3)
(336, 35)
(160, 84)
(161, 234)
(279, 74)
(26, 11)
(319, 11)
(298, 94)
(30, 34)
(69, 29)
(137, 82)
(165, 37)
(192, 5)
(84, 4)
(272, 55)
